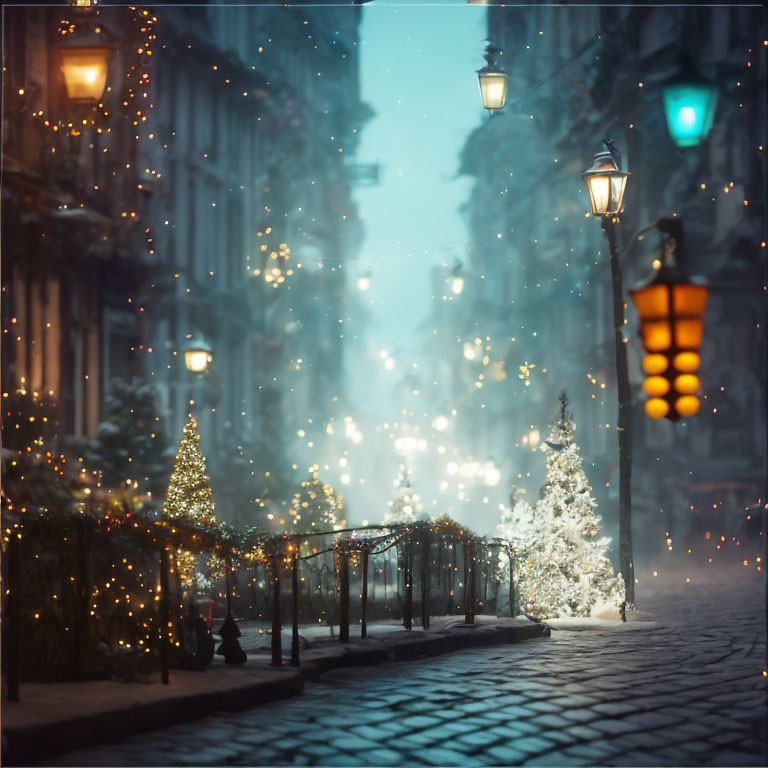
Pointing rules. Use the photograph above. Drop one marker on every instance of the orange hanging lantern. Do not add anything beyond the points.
(85, 55)
(671, 310)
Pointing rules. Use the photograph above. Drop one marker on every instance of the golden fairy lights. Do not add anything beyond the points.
(273, 264)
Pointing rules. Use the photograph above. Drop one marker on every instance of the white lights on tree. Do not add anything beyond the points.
(566, 570)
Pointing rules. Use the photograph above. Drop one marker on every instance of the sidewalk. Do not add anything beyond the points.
(54, 718)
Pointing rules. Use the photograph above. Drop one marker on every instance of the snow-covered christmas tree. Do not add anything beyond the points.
(189, 491)
(518, 534)
(517, 524)
(406, 504)
(567, 572)
(316, 505)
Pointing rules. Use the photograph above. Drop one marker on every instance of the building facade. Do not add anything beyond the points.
(539, 281)
(172, 214)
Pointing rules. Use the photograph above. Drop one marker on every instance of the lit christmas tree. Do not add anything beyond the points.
(519, 534)
(189, 491)
(567, 572)
(406, 504)
(317, 505)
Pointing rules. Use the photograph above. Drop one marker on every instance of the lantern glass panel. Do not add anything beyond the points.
(690, 299)
(690, 110)
(618, 184)
(687, 362)
(688, 333)
(656, 408)
(85, 72)
(657, 335)
(687, 384)
(687, 405)
(651, 301)
(197, 360)
(656, 386)
(599, 194)
(655, 364)
(493, 89)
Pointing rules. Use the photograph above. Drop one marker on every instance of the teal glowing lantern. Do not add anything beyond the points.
(690, 102)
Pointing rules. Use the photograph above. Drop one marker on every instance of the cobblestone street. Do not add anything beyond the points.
(688, 692)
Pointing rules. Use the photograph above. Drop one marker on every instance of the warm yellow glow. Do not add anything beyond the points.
(687, 405)
(687, 362)
(687, 384)
(656, 386)
(493, 89)
(197, 360)
(657, 336)
(690, 299)
(457, 285)
(656, 408)
(652, 302)
(655, 364)
(85, 72)
(688, 333)
(606, 185)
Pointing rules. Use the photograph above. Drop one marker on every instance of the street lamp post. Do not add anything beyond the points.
(606, 183)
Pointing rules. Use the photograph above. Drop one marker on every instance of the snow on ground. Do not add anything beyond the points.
(256, 635)
(635, 620)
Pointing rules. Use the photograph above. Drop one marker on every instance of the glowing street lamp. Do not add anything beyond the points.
(606, 182)
(85, 56)
(671, 310)
(690, 101)
(493, 80)
(85, 73)
(197, 355)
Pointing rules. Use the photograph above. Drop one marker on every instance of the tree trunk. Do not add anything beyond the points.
(364, 607)
(408, 587)
(624, 424)
(11, 644)
(511, 585)
(164, 615)
(425, 579)
(469, 587)
(277, 640)
(295, 608)
(344, 597)
(451, 580)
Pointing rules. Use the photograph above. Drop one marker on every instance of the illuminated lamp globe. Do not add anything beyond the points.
(85, 72)
(197, 355)
(687, 384)
(656, 408)
(606, 183)
(655, 364)
(493, 81)
(687, 362)
(690, 102)
(656, 386)
(687, 405)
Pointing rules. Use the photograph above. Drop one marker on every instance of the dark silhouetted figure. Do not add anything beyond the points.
(197, 642)
(230, 647)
